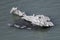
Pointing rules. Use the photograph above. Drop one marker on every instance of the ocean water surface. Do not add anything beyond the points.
(49, 8)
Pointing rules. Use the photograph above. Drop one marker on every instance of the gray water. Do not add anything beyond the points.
(49, 8)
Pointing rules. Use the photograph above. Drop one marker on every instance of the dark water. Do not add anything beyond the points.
(49, 8)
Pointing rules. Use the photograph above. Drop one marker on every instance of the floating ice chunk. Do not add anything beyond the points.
(29, 28)
(14, 10)
(16, 25)
(40, 20)
(23, 27)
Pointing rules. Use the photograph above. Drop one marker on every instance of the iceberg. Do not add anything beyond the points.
(39, 20)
